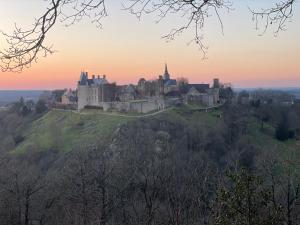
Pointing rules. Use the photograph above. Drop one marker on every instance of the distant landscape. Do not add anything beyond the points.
(290, 90)
(9, 96)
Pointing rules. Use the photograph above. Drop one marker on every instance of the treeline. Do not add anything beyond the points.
(13, 120)
(93, 186)
(183, 168)
(284, 118)
(277, 109)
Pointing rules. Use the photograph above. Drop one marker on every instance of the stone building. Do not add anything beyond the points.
(126, 93)
(69, 97)
(169, 84)
(146, 96)
(203, 94)
(159, 87)
(93, 92)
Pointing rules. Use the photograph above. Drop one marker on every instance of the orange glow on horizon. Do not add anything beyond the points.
(127, 49)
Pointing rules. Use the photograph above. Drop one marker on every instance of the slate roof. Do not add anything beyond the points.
(173, 94)
(170, 82)
(200, 87)
(84, 80)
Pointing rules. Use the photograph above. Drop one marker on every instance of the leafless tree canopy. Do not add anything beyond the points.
(193, 12)
(276, 16)
(25, 46)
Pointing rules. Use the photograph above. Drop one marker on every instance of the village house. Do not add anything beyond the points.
(69, 97)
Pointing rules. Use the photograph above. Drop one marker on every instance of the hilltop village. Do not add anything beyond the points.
(144, 97)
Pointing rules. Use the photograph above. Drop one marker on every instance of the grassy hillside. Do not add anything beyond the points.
(64, 130)
(288, 151)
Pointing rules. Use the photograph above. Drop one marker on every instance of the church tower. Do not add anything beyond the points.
(166, 74)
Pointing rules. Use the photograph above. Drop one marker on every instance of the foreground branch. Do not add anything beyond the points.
(276, 16)
(25, 46)
(192, 12)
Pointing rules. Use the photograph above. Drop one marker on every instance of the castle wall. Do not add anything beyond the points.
(208, 100)
(107, 92)
(134, 106)
(65, 100)
(216, 94)
(143, 107)
(82, 96)
(93, 96)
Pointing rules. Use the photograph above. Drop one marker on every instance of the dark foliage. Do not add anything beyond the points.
(161, 170)
(40, 107)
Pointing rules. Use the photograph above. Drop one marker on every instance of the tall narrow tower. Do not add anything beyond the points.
(216, 83)
(166, 74)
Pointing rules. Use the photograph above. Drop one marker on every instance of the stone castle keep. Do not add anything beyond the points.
(146, 96)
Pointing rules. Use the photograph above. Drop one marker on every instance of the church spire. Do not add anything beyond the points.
(166, 74)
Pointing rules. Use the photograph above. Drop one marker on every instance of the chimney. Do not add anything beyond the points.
(104, 76)
(93, 77)
(98, 77)
(216, 83)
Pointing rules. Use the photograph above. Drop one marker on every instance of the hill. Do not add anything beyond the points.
(65, 129)
(185, 126)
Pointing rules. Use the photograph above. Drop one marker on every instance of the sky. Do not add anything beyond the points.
(126, 49)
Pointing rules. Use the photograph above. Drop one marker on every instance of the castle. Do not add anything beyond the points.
(146, 96)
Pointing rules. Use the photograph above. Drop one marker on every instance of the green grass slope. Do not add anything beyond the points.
(64, 130)
(288, 151)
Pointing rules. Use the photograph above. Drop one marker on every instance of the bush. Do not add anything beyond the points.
(40, 107)
(282, 131)
(18, 139)
(292, 134)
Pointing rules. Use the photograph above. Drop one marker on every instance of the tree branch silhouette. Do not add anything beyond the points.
(193, 12)
(25, 46)
(276, 16)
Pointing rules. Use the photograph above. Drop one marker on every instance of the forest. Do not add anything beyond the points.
(236, 165)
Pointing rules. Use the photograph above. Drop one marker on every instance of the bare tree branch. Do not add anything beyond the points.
(25, 46)
(276, 16)
(193, 12)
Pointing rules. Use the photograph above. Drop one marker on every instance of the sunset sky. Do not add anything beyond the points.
(127, 49)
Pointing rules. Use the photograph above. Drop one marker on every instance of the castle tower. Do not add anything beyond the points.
(166, 74)
(216, 83)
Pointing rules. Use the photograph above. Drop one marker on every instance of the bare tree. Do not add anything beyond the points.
(194, 12)
(277, 16)
(25, 46)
